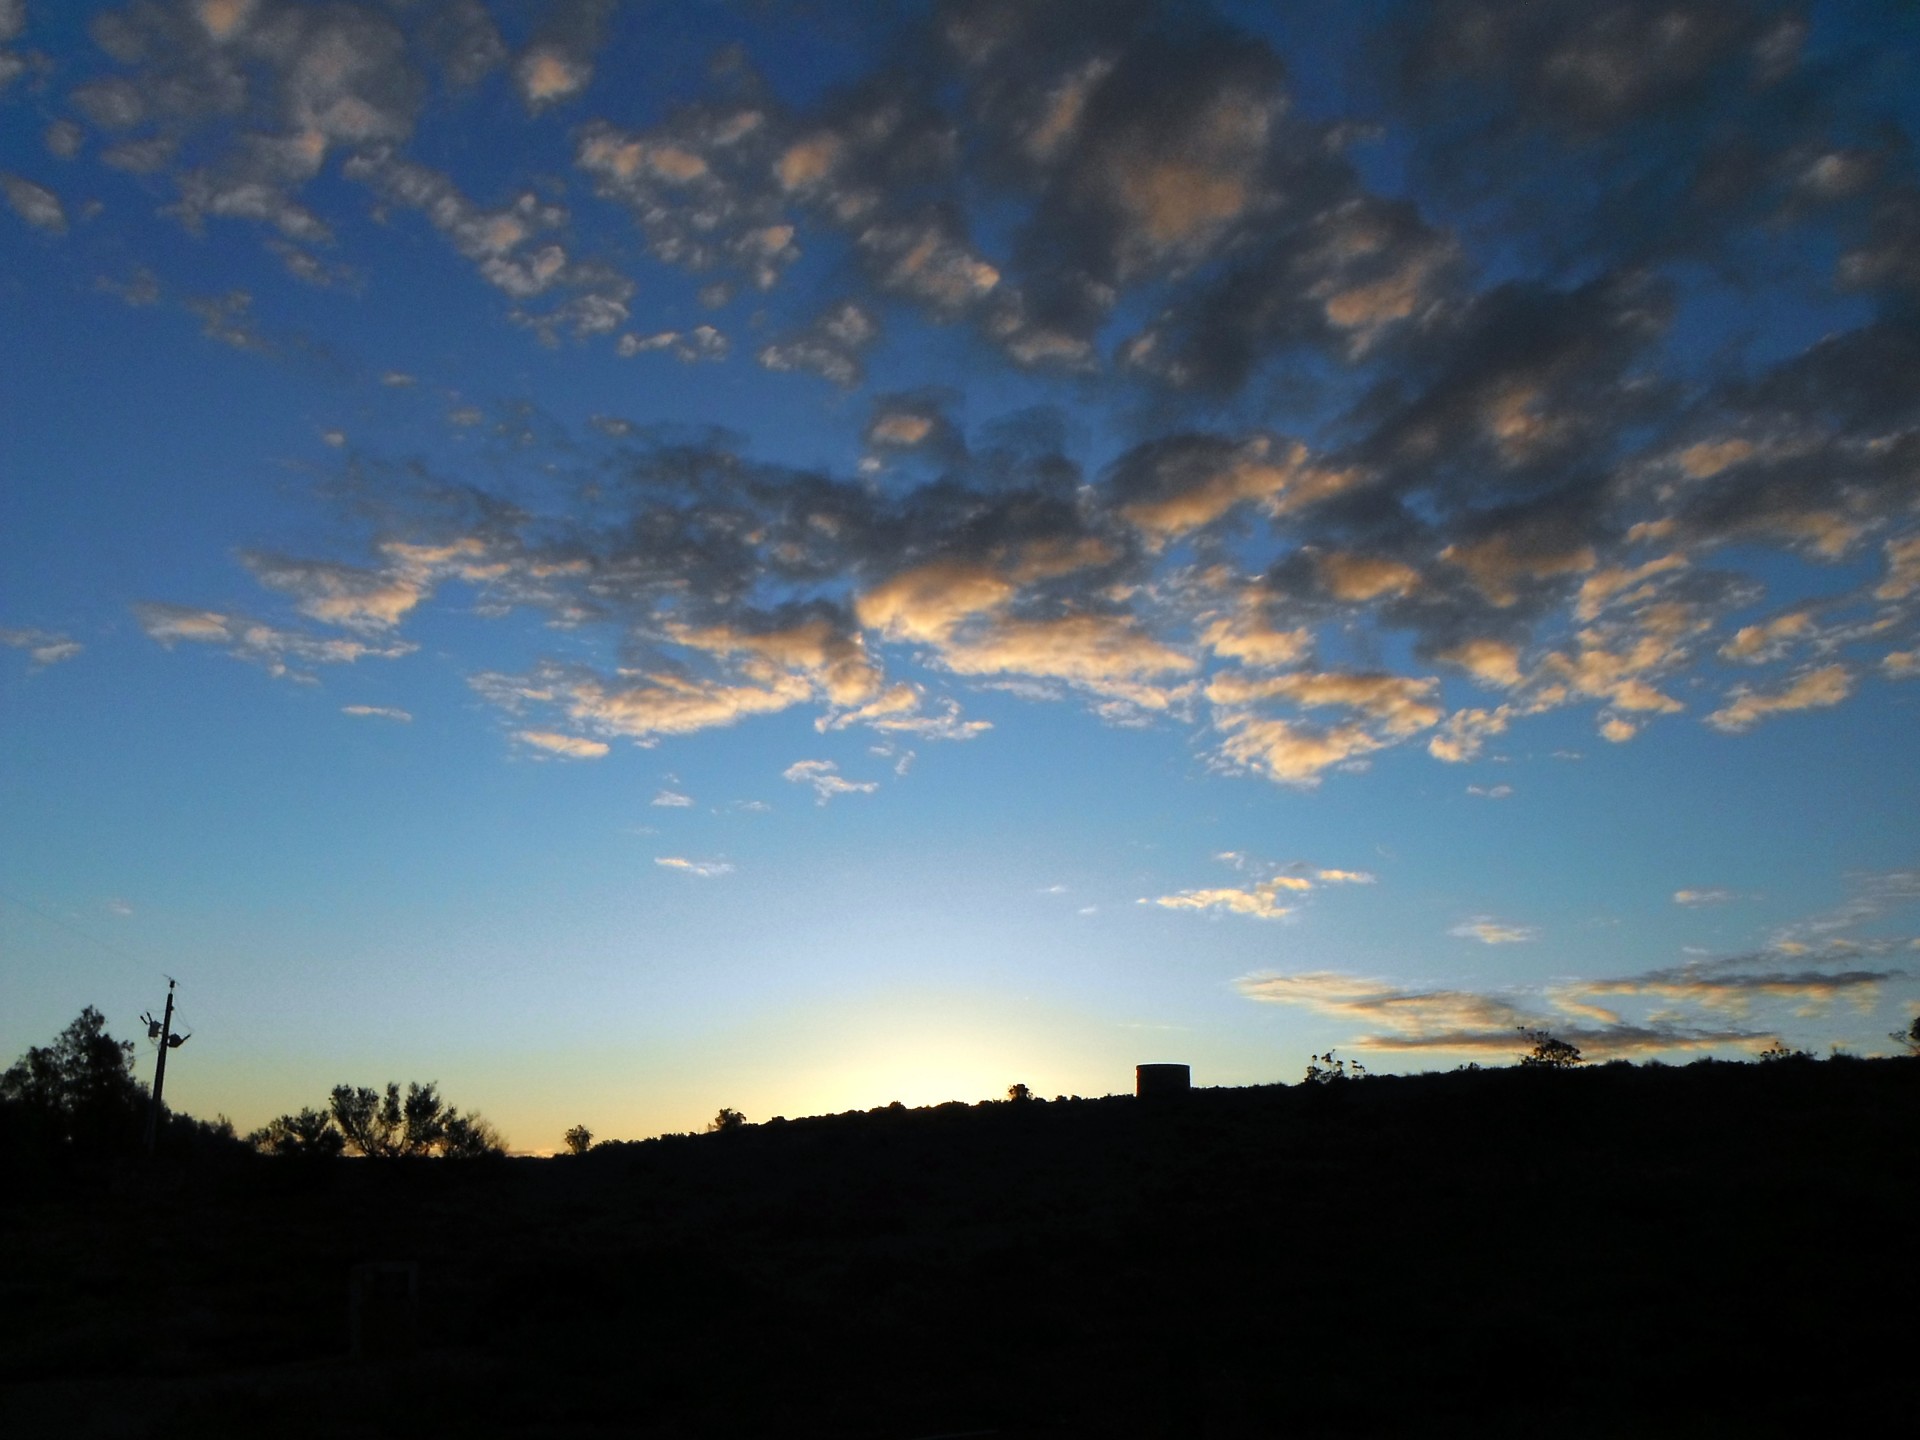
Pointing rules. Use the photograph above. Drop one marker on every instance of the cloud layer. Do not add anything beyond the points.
(1383, 465)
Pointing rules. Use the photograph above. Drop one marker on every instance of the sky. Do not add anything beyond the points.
(636, 558)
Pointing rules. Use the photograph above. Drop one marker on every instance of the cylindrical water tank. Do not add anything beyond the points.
(1159, 1082)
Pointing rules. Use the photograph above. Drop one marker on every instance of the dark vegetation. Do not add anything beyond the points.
(1712, 1249)
(380, 1126)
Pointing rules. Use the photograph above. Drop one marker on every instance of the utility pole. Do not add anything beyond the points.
(162, 1031)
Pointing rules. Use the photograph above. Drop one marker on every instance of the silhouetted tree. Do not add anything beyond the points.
(1777, 1051)
(469, 1137)
(311, 1134)
(579, 1140)
(1548, 1051)
(382, 1126)
(1324, 1070)
(78, 1091)
(1019, 1094)
(1909, 1037)
(727, 1120)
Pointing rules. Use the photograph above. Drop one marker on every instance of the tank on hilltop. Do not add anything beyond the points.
(1161, 1082)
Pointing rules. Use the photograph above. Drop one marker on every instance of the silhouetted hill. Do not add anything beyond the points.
(1717, 1249)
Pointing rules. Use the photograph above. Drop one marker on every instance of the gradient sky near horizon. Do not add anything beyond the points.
(631, 558)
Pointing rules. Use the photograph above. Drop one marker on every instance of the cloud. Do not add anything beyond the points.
(43, 647)
(1872, 895)
(824, 777)
(1451, 1021)
(1489, 931)
(35, 204)
(1768, 641)
(568, 747)
(227, 318)
(830, 347)
(672, 799)
(1490, 792)
(690, 347)
(557, 64)
(1745, 708)
(1514, 477)
(336, 594)
(900, 709)
(1262, 898)
(381, 711)
(704, 869)
(1259, 901)
(140, 288)
(1695, 898)
(282, 653)
(519, 247)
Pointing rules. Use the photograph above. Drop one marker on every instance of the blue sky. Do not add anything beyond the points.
(631, 559)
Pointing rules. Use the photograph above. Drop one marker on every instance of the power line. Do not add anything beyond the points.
(73, 929)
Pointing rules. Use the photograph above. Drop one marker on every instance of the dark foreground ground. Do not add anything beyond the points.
(1710, 1250)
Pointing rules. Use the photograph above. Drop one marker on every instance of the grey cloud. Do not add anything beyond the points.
(831, 347)
(141, 287)
(227, 318)
(1873, 895)
(462, 39)
(265, 91)
(517, 247)
(35, 204)
(63, 138)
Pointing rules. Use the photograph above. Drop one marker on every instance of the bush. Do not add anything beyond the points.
(1548, 1052)
(1324, 1070)
(382, 1126)
(579, 1140)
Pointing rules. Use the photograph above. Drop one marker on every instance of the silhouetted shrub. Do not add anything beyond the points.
(1324, 1070)
(1909, 1037)
(309, 1135)
(382, 1126)
(727, 1120)
(1019, 1094)
(1548, 1052)
(579, 1140)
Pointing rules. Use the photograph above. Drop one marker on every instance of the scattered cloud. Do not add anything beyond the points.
(1489, 931)
(704, 869)
(1745, 708)
(1406, 1020)
(1490, 792)
(1272, 892)
(383, 712)
(1695, 898)
(35, 204)
(1509, 480)
(43, 647)
(568, 747)
(825, 778)
(282, 653)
